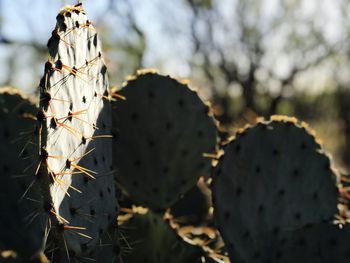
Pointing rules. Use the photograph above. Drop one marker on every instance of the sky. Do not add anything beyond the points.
(168, 50)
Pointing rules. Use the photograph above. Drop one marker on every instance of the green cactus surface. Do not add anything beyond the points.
(150, 238)
(316, 243)
(163, 131)
(22, 219)
(273, 178)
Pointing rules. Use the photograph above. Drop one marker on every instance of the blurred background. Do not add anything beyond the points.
(249, 58)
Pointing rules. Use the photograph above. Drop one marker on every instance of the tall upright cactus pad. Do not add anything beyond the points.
(75, 164)
(273, 178)
(149, 238)
(163, 132)
(22, 220)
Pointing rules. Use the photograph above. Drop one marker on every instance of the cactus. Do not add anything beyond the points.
(274, 178)
(316, 243)
(75, 164)
(149, 238)
(163, 131)
(22, 221)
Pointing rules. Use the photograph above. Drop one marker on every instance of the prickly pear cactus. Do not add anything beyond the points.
(75, 130)
(149, 238)
(316, 243)
(273, 178)
(22, 220)
(163, 132)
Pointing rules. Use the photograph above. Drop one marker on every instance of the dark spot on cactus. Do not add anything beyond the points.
(6, 133)
(315, 196)
(99, 53)
(83, 247)
(151, 143)
(83, 140)
(103, 125)
(45, 98)
(77, 24)
(256, 255)
(200, 133)
(109, 190)
(95, 40)
(84, 99)
(155, 190)
(109, 217)
(48, 66)
(183, 182)
(42, 83)
(137, 163)
(168, 126)
(281, 192)
(246, 234)
(165, 170)
(327, 165)
(283, 241)
(333, 242)
(303, 145)
(89, 44)
(275, 231)
(103, 159)
(237, 148)
(230, 245)
(44, 154)
(297, 216)
(70, 116)
(301, 242)
(295, 172)
(201, 165)
(95, 161)
(257, 169)
(184, 152)
(47, 207)
(275, 152)
(40, 116)
(103, 70)
(134, 116)
(68, 164)
(94, 126)
(239, 191)
(106, 93)
(227, 215)
(53, 123)
(59, 64)
(92, 212)
(101, 194)
(85, 180)
(278, 254)
(181, 103)
(73, 211)
(260, 209)
(150, 94)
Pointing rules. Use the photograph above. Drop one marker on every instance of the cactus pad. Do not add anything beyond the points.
(163, 130)
(75, 126)
(316, 243)
(149, 238)
(273, 178)
(22, 221)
